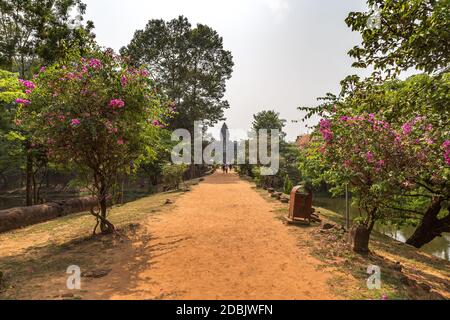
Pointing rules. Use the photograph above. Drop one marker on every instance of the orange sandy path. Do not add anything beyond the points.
(222, 242)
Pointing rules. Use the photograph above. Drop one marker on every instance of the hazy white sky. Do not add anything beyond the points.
(286, 52)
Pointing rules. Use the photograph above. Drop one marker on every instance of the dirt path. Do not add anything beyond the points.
(221, 241)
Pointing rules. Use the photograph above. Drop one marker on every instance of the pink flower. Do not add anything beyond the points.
(384, 297)
(43, 69)
(446, 144)
(25, 102)
(380, 165)
(27, 92)
(447, 157)
(123, 81)
(407, 128)
(325, 129)
(117, 103)
(156, 123)
(75, 122)
(120, 142)
(344, 118)
(95, 64)
(369, 156)
(28, 84)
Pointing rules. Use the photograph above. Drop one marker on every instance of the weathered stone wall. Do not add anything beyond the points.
(20, 217)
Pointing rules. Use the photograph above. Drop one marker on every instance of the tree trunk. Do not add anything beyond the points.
(20, 217)
(193, 171)
(29, 175)
(359, 235)
(106, 227)
(430, 227)
(359, 238)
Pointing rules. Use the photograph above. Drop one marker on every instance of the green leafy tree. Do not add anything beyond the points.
(35, 33)
(189, 64)
(10, 140)
(288, 157)
(98, 114)
(269, 120)
(425, 119)
(404, 34)
(38, 32)
(408, 34)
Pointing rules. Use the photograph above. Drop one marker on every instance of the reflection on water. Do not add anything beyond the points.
(439, 247)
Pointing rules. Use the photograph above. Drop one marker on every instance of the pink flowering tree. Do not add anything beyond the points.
(96, 113)
(398, 173)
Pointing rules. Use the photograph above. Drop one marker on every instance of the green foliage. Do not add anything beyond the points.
(10, 139)
(267, 120)
(288, 157)
(35, 32)
(189, 65)
(288, 186)
(97, 113)
(173, 174)
(410, 33)
(389, 139)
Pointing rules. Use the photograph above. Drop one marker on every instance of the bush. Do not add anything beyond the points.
(173, 175)
(288, 185)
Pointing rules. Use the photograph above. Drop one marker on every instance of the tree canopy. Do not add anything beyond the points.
(97, 113)
(189, 64)
(409, 34)
(36, 32)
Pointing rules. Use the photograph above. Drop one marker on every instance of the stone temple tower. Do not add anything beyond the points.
(225, 138)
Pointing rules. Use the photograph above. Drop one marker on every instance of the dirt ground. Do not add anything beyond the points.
(221, 241)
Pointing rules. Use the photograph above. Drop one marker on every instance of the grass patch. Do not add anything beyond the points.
(36, 257)
(406, 272)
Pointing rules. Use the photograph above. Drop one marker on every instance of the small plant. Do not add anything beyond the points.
(288, 185)
(173, 175)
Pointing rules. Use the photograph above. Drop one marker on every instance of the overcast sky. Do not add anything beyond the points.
(286, 52)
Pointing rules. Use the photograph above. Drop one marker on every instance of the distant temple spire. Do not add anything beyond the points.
(225, 138)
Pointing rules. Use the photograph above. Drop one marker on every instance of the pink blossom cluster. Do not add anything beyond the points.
(325, 129)
(95, 64)
(28, 84)
(446, 147)
(123, 81)
(24, 102)
(75, 122)
(117, 103)
(407, 128)
(145, 73)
